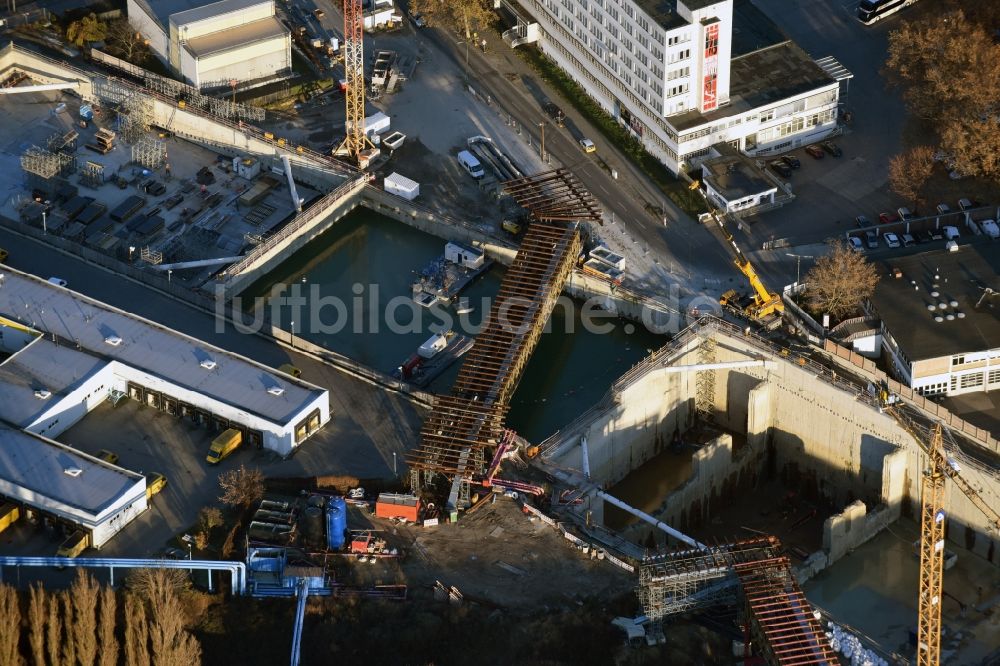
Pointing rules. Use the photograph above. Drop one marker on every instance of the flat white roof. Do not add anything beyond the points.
(41, 365)
(239, 37)
(183, 12)
(33, 471)
(83, 325)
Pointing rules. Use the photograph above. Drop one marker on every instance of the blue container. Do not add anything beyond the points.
(336, 522)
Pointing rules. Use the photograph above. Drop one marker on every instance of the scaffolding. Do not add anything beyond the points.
(752, 573)
(191, 97)
(704, 400)
(92, 174)
(45, 165)
(149, 153)
(151, 256)
(135, 117)
(61, 141)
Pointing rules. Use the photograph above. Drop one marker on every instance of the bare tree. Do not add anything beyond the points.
(68, 645)
(910, 171)
(948, 67)
(464, 16)
(10, 626)
(171, 644)
(84, 592)
(146, 582)
(242, 487)
(53, 631)
(107, 620)
(123, 41)
(209, 518)
(136, 632)
(840, 281)
(37, 616)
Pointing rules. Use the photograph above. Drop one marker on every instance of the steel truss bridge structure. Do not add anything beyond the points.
(752, 575)
(463, 425)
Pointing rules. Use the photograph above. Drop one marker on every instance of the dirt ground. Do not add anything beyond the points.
(501, 557)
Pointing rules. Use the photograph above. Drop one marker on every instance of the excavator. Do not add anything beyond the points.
(938, 468)
(765, 306)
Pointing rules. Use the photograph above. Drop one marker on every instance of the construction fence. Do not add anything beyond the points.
(577, 541)
(981, 436)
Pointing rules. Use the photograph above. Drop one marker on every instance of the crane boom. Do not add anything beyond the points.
(765, 301)
(932, 526)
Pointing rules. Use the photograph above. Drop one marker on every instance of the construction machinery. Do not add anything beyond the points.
(938, 467)
(357, 146)
(764, 306)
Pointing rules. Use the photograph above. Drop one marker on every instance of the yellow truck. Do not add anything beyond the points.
(74, 544)
(154, 484)
(9, 513)
(223, 445)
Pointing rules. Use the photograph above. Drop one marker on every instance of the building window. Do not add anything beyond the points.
(994, 377)
(972, 380)
(766, 116)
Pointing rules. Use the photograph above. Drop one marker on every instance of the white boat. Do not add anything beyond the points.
(463, 307)
(434, 344)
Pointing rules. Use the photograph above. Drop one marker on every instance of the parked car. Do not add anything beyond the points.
(418, 20)
(871, 240)
(854, 243)
(154, 484)
(891, 239)
(905, 214)
(108, 456)
(831, 148)
(862, 221)
(792, 161)
(780, 168)
(943, 209)
(887, 218)
(59, 282)
(950, 233)
(588, 146)
(908, 240)
(815, 152)
(319, 13)
(966, 204)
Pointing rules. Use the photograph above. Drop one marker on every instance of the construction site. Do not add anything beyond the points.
(725, 480)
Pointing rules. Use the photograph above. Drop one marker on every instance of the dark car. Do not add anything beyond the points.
(792, 161)
(871, 240)
(886, 218)
(780, 168)
(863, 221)
(815, 151)
(966, 204)
(554, 112)
(831, 148)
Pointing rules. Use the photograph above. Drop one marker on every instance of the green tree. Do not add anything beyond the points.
(88, 29)
(464, 16)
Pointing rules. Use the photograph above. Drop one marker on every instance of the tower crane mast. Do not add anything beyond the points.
(938, 468)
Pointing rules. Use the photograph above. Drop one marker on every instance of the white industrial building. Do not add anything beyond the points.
(68, 485)
(685, 74)
(84, 350)
(213, 44)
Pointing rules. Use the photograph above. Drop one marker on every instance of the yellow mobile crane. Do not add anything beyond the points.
(765, 302)
(939, 467)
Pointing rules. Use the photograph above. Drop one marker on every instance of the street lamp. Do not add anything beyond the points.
(131, 250)
(45, 227)
(394, 472)
(542, 153)
(466, 42)
(170, 272)
(188, 539)
(798, 263)
(291, 340)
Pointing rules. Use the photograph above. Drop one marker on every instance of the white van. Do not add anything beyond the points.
(471, 164)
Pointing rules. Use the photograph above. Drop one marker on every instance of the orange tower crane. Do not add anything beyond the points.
(356, 141)
(932, 516)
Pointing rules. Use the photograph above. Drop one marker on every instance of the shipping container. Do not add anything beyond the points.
(391, 505)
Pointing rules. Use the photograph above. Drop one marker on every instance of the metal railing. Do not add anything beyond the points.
(237, 570)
